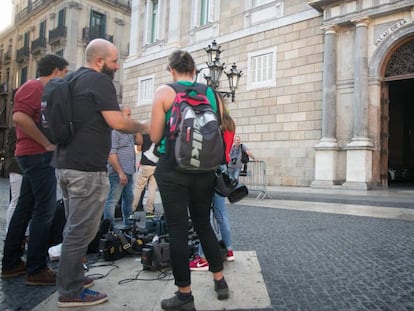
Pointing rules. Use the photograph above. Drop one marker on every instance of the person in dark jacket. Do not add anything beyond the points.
(15, 175)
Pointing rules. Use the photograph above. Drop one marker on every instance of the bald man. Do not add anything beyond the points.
(81, 167)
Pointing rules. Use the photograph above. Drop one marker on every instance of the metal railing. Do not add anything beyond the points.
(126, 4)
(22, 54)
(57, 34)
(88, 34)
(254, 177)
(38, 45)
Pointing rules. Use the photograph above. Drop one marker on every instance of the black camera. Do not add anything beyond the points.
(224, 182)
(156, 254)
(111, 248)
(116, 243)
(229, 187)
(147, 257)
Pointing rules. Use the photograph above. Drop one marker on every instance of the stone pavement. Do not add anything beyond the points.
(294, 253)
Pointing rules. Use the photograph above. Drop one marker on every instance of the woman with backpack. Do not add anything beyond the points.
(199, 263)
(184, 193)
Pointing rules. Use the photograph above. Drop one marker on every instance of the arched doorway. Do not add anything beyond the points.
(397, 128)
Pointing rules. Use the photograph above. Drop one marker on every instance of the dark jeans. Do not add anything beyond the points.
(183, 193)
(37, 204)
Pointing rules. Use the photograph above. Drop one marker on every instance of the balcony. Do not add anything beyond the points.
(32, 8)
(57, 35)
(38, 46)
(4, 89)
(88, 34)
(22, 54)
(125, 4)
(7, 57)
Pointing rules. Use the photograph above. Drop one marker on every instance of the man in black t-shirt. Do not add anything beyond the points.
(81, 168)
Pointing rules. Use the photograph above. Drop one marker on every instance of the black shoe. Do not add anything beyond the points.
(221, 289)
(175, 304)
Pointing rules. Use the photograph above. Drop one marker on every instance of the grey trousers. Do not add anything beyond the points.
(84, 195)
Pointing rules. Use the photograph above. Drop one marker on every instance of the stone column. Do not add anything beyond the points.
(329, 86)
(174, 33)
(360, 105)
(121, 41)
(326, 151)
(72, 37)
(134, 30)
(359, 150)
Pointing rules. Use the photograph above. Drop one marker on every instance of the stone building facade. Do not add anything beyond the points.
(368, 70)
(279, 47)
(323, 96)
(62, 27)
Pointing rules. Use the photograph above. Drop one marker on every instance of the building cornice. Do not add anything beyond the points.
(345, 12)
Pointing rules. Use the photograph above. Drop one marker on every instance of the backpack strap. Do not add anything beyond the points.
(76, 74)
(218, 113)
(199, 88)
(71, 80)
(180, 88)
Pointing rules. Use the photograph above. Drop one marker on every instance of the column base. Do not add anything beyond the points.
(326, 163)
(326, 184)
(359, 154)
(354, 185)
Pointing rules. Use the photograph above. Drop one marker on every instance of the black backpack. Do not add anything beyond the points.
(194, 138)
(244, 156)
(56, 120)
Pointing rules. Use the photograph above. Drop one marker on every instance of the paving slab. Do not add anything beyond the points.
(131, 288)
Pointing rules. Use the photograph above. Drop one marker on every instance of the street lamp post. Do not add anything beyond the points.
(216, 68)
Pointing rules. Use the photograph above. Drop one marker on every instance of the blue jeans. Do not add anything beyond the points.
(220, 214)
(37, 203)
(84, 195)
(234, 172)
(117, 190)
(183, 194)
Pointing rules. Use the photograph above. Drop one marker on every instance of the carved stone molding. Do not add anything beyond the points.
(332, 29)
(75, 5)
(361, 22)
(119, 21)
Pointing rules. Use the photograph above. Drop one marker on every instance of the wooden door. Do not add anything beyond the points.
(384, 135)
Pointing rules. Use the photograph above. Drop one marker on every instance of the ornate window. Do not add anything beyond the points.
(402, 61)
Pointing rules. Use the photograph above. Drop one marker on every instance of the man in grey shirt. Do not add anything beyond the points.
(121, 169)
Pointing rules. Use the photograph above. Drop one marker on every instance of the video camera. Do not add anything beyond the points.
(229, 187)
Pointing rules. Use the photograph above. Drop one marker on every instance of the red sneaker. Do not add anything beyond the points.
(199, 264)
(230, 256)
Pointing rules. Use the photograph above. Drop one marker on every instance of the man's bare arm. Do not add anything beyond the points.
(117, 121)
(29, 127)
